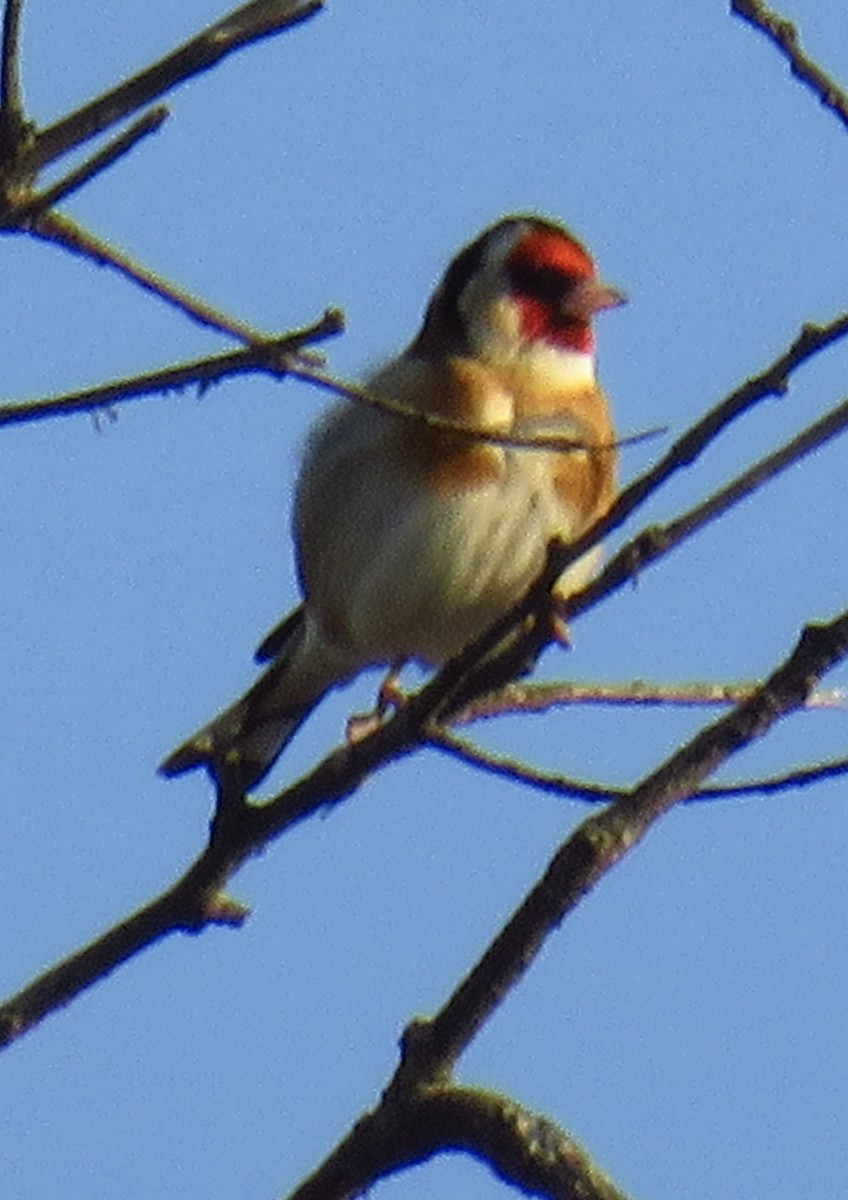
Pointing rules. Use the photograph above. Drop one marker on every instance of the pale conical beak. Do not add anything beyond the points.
(589, 296)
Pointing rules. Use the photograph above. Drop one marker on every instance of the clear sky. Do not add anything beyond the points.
(688, 1024)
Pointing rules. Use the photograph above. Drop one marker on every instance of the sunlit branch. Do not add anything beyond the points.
(479, 669)
(431, 1047)
(62, 231)
(522, 1147)
(521, 697)
(244, 828)
(39, 203)
(596, 793)
(784, 35)
(243, 26)
(267, 356)
(514, 441)
(604, 838)
(658, 540)
(12, 117)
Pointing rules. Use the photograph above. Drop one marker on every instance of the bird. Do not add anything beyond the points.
(414, 526)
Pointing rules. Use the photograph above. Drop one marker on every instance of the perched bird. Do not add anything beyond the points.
(411, 539)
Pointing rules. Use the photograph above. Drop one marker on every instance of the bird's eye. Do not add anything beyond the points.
(541, 282)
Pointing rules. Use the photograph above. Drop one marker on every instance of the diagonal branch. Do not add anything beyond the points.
(268, 355)
(595, 793)
(400, 1130)
(62, 231)
(521, 697)
(784, 35)
(602, 840)
(34, 206)
(240, 830)
(11, 91)
(480, 669)
(658, 540)
(515, 441)
(521, 1147)
(245, 25)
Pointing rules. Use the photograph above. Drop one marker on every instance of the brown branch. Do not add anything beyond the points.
(784, 35)
(247, 24)
(522, 1148)
(598, 793)
(62, 231)
(514, 441)
(481, 668)
(396, 1133)
(240, 829)
(602, 840)
(771, 785)
(11, 91)
(26, 210)
(510, 768)
(521, 697)
(269, 356)
(657, 541)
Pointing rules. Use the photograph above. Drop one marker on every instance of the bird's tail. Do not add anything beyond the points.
(243, 742)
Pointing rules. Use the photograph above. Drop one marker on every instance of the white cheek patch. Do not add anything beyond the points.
(491, 318)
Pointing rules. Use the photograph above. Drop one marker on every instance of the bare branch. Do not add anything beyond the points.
(659, 540)
(521, 697)
(513, 441)
(481, 668)
(595, 793)
(521, 1147)
(269, 356)
(11, 92)
(519, 772)
(784, 35)
(192, 903)
(396, 1133)
(245, 25)
(239, 829)
(602, 840)
(61, 230)
(799, 778)
(38, 204)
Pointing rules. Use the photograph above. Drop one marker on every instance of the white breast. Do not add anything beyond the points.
(405, 572)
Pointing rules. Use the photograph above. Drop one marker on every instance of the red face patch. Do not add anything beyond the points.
(542, 268)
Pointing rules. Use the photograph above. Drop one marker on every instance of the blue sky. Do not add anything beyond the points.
(687, 1025)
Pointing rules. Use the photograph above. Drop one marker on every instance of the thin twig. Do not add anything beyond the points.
(521, 1147)
(598, 793)
(197, 895)
(478, 670)
(268, 356)
(784, 35)
(770, 785)
(29, 210)
(658, 540)
(602, 840)
(507, 767)
(245, 25)
(61, 230)
(11, 90)
(400, 1125)
(513, 441)
(520, 697)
